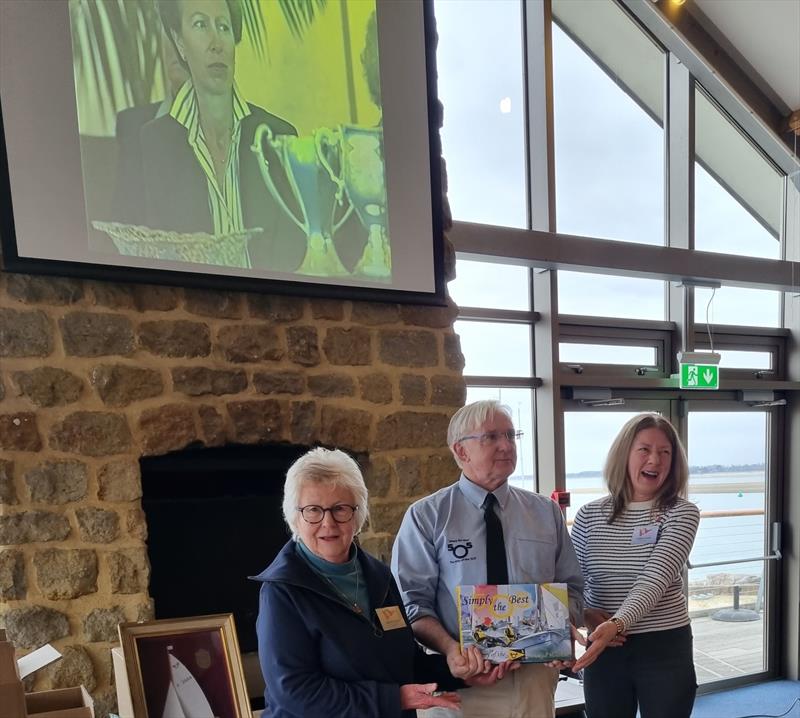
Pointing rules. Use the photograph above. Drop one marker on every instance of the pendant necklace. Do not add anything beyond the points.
(351, 601)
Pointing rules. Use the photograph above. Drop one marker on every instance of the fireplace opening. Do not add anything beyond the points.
(213, 519)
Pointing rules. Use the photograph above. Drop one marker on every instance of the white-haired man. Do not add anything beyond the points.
(482, 530)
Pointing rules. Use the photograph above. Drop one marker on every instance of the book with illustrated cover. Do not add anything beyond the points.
(525, 622)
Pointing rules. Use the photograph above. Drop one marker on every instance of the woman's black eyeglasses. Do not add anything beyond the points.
(313, 514)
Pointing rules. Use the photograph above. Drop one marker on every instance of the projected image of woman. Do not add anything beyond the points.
(200, 173)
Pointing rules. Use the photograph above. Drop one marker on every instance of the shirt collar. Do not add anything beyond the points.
(477, 495)
(185, 110)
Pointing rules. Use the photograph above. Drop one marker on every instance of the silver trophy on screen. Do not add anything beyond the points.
(360, 151)
(318, 193)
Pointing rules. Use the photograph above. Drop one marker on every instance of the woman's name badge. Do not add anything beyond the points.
(644, 535)
(390, 617)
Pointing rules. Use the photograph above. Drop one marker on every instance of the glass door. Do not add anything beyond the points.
(733, 564)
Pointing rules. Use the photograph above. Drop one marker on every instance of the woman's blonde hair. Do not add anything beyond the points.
(616, 468)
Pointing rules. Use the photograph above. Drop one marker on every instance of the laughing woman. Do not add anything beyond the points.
(632, 546)
(333, 638)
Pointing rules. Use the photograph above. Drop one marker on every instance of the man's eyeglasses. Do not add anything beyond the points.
(491, 438)
(313, 514)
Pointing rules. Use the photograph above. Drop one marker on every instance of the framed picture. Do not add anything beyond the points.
(261, 145)
(184, 667)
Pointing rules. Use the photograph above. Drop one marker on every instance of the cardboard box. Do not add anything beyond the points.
(60, 703)
(12, 700)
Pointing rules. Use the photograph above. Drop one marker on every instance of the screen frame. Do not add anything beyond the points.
(15, 261)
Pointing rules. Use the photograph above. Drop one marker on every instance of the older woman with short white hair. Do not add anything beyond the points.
(333, 637)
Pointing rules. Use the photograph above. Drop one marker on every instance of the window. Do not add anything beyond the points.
(491, 286)
(601, 295)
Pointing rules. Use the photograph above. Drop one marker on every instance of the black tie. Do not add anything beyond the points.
(496, 566)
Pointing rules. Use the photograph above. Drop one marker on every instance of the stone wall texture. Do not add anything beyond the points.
(94, 376)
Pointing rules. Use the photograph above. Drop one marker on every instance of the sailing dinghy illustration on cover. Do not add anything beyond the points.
(518, 622)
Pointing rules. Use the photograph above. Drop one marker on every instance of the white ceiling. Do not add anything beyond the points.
(766, 34)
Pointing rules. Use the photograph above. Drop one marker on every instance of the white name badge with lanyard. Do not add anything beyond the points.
(645, 534)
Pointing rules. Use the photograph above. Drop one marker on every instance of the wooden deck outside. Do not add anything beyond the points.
(725, 649)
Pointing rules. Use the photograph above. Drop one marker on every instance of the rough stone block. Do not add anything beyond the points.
(411, 430)
(156, 298)
(97, 525)
(48, 386)
(119, 384)
(25, 334)
(57, 482)
(453, 356)
(12, 576)
(33, 527)
(413, 390)
(372, 313)
(100, 624)
(223, 305)
(378, 546)
(212, 424)
(119, 481)
(87, 334)
(112, 295)
(129, 571)
(179, 338)
(250, 343)
(92, 433)
(409, 476)
(376, 388)
(136, 524)
(18, 432)
(167, 428)
(66, 573)
(279, 382)
(345, 428)
(198, 380)
(348, 347)
(75, 668)
(8, 492)
(378, 478)
(385, 517)
(275, 308)
(440, 471)
(33, 626)
(256, 421)
(33, 289)
(448, 390)
(327, 385)
(415, 348)
(434, 317)
(302, 423)
(303, 344)
(332, 309)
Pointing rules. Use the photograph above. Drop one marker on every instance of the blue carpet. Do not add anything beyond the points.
(774, 698)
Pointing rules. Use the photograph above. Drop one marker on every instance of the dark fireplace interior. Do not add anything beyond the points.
(213, 519)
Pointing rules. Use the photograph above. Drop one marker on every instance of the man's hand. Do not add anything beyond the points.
(467, 663)
(420, 696)
(497, 673)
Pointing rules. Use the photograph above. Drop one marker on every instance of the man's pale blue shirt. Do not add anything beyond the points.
(442, 544)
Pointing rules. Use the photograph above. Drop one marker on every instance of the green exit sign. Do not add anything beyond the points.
(699, 376)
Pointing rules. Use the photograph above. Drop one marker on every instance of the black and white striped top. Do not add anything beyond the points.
(641, 584)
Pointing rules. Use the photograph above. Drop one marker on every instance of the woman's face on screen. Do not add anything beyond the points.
(207, 45)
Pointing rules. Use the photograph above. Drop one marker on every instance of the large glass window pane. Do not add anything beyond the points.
(520, 401)
(495, 348)
(727, 458)
(491, 286)
(736, 359)
(601, 295)
(608, 89)
(739, 194)
(738, 306)
(570, 352)
(479, 61)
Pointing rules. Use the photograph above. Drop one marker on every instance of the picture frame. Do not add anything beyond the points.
(361, 219)
(185, 666)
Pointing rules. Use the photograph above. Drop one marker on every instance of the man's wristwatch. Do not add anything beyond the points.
(618, 623)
